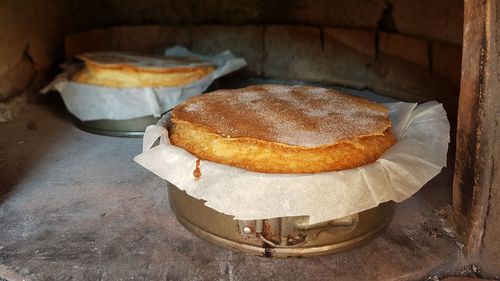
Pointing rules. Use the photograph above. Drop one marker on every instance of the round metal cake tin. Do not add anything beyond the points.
(278, 237)
(117, 128)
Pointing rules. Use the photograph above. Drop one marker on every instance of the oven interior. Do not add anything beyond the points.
(75, 205)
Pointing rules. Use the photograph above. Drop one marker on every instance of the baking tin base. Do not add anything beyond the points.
(117, 128)
(278, 237)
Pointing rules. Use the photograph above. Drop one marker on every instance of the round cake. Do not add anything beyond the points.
(127, 70)
(282, 129)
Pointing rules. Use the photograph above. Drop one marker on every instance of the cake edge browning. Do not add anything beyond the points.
(253, 154)
(132, 78)
(126, 74)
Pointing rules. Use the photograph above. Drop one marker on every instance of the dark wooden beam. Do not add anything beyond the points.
(477, 177)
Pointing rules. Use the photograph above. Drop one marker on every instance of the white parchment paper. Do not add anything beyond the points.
(88, 102)
(419, 155)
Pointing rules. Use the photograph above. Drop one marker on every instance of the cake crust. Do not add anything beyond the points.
(282, 129)
(126, 70)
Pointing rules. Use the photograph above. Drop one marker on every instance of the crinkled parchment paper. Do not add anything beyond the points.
(88, 102)
(419, 155)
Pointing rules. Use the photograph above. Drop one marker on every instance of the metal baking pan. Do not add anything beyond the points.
(278, 237)
(117, 128)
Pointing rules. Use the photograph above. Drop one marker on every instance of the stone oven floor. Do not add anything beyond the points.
(75, 206)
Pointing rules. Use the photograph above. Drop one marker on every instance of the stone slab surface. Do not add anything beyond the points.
(75, 206)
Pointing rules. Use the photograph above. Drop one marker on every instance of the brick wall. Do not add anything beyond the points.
(354, 42)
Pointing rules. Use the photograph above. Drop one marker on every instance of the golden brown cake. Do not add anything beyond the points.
(282, 129)
(126, 70)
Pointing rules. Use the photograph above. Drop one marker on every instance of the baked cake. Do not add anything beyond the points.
(127, 70)
(282, 129)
